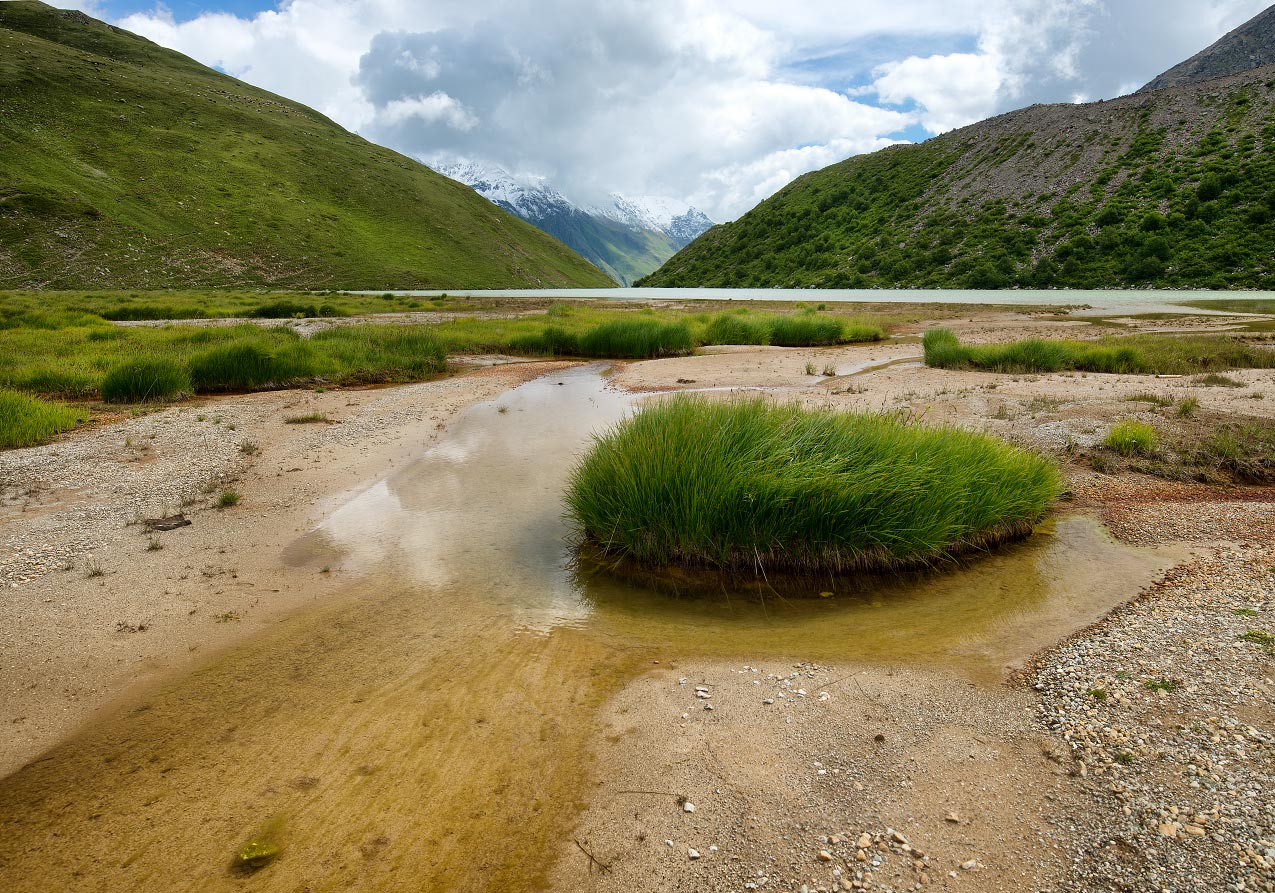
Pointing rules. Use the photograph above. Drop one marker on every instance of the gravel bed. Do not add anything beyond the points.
(1167, 711)
(63, 501)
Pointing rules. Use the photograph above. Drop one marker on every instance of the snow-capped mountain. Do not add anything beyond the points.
(678, 220)
(627, 238)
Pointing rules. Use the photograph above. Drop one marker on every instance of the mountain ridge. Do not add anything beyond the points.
(1165, 188)
(1170, 189)
(626, 239)
(1251, 45)
(127, 165)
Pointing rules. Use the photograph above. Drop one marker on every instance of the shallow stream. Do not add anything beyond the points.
(432, 729)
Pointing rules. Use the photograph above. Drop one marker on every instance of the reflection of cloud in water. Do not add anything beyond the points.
(482, 511)
(478, 519)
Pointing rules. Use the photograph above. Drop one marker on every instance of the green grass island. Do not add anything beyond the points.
(756, 487)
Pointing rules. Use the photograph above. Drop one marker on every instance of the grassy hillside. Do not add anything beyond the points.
(125, 165)
(1169, 189)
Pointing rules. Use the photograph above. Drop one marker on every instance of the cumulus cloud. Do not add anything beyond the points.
(719, 102)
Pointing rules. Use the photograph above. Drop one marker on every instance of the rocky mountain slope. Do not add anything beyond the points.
(1249, 46)
(1172, 188)
(126, 165)
(627, 238)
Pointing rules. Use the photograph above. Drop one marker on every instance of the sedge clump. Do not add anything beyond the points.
(748, 485)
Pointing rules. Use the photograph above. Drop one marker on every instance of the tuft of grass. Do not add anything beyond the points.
(28, 421)
(1188, 407)
(374, 354)
(1168, 685)
(1214, 380)
(737, 328)
(309, 419)
(1148, 397)
(1131, 438)
(248, 365)
(829, 369)
(1244, 451)
(552, 341)
(288, 309)
(754, 486)
(228, 498)
(1259, 636)
(806, 330)
(636, 339)
(1130, 354)
(147, 378)
(1098, 694)
(810, 367)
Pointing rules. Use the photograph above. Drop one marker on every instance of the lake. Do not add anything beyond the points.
(1096, 302)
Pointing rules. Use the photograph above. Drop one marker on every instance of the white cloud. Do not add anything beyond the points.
(952, 90)
(720, 102)
(434, 108)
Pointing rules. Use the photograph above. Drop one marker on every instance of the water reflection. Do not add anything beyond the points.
(478, 519)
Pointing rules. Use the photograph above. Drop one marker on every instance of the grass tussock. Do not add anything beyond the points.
(636, 339)
(1245, 452)
(135, 381)
(27, 421)
(750, 485)
(1131, 438)
(1133, 354)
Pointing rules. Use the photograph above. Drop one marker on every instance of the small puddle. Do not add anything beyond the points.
(428, 732)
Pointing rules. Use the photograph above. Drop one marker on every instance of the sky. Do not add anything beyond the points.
(718, 103)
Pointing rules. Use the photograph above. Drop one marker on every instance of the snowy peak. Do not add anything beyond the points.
(528, 197)
(678, 220)
(627, 239)
(532, 197)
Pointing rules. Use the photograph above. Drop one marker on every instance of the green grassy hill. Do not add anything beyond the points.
(1169, 189)
(126, 165)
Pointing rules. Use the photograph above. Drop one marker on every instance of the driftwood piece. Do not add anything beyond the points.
(172, 522)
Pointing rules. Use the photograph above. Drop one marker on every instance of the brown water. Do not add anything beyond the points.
(431, 730)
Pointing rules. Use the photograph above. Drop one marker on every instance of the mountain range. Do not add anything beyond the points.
(1170, 187)
(626, 238)
(127, 165)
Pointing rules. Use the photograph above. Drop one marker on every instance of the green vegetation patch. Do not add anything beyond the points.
(26, 421)
(752, 486)
(636, 339)
(1118, 195)
(1130, 354)
(128, 165)
(1131, 438)
(1244, 451)
(134, 381)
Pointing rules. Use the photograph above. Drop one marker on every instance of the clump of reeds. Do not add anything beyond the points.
(246, 365)
(1131, 438)
(27, 421)
(1132, 354)
(146, 378)
(749, 485)
(636, 339)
